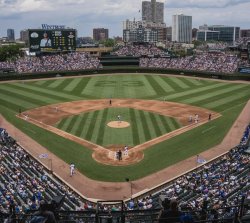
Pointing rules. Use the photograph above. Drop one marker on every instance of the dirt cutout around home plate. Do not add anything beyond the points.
(127, 157)
(47, 116)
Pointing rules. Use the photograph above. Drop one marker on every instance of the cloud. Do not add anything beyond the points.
(87, 14)
(203, 3)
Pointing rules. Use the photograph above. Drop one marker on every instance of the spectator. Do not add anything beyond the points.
(43, 215)
(172, 214)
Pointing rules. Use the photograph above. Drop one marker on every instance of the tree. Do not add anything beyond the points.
(9, 52)
(108, 42)
(197, 43)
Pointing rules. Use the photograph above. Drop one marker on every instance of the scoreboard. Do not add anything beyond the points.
(52, 40)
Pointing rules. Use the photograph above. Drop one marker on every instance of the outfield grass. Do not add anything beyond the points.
(144, 126)
(226, 98)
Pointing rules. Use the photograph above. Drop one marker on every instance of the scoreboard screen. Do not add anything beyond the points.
(52, 40)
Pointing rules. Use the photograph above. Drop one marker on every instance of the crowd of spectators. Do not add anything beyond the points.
(138, 51)
(242, 42)
(7, 65)
(213, 62)
(217, 46)
(64, 62)
(213, 189)
(150, 56)
(244, 63)
(25, 183)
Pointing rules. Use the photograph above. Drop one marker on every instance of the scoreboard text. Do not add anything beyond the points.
(52, 40)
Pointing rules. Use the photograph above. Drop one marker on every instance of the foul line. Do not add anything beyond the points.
(208, 129)
(30, 130)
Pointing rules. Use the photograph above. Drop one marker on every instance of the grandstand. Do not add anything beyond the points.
(215, 191)
(138, 55)
(221, 186)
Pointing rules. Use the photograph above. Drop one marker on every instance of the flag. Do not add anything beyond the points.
(201, 160)
(43, 156)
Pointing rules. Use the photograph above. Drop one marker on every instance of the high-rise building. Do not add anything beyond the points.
(11, 34)
(169, 33)
(194, 33)
(24, 36)
(227, 33)
(153, 11)
(182, 28)
(208, 35)
(218, 33)
(135, 25)
(140, 35)
(245, 33)
(100, 34)
(204, 34)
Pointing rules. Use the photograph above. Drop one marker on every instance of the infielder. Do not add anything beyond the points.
(126, 151)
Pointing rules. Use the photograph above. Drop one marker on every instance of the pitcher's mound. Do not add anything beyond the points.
(118, 124)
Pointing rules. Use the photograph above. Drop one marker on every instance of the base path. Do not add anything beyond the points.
(47, 116)
(105, 190)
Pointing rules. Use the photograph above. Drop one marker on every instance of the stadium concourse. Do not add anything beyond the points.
(25, 183)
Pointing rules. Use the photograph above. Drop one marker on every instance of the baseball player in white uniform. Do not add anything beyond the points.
(126, 151)
(72, 169)
(119, 118)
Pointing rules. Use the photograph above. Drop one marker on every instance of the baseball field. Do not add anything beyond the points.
(70, 116)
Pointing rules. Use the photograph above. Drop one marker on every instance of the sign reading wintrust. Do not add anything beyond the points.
(46, 26)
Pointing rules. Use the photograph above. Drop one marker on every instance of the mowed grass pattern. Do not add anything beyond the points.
(204, 93)
(92, 126)
(223, 97)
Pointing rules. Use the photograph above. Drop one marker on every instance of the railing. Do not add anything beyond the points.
(121, 216)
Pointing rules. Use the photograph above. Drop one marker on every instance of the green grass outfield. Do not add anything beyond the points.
(144, 126)
(226, 98)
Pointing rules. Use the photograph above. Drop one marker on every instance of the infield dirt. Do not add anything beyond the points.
(47, 116)
(106, 190)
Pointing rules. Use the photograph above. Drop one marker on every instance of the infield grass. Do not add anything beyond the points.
(226, 98)
(95, 127)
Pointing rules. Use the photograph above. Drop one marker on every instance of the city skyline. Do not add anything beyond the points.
(84, 15)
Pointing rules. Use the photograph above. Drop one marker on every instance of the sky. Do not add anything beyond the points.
(84, 15)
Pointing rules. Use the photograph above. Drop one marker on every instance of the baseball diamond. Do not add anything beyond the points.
(217, 97)
(149, 125)
(147, 128)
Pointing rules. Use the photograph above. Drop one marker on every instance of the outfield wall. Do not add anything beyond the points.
(125, 69)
